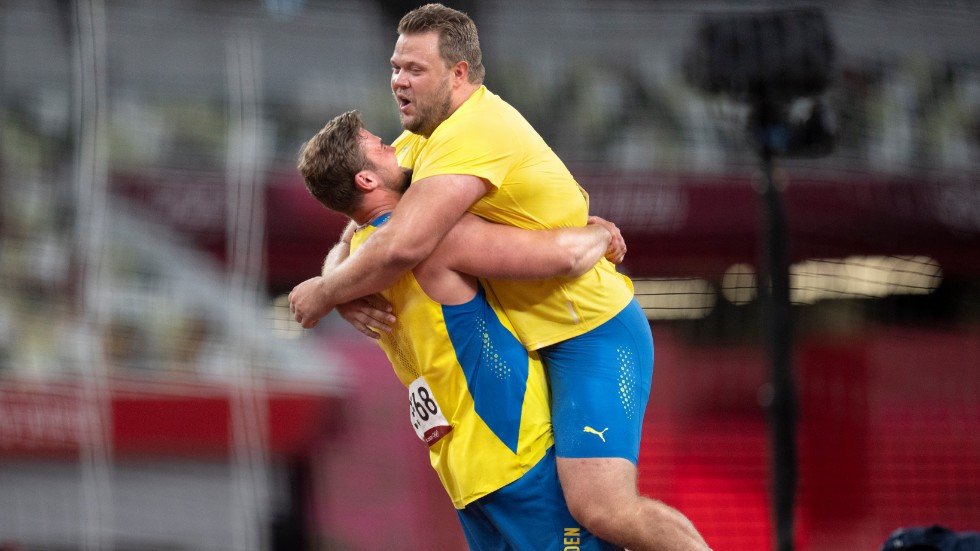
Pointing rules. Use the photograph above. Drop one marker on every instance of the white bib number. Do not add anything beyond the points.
(427, 418)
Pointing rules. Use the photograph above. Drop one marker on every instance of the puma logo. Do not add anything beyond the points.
(598, 433)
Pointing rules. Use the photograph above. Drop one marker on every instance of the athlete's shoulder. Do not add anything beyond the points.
(482, 130)
(483, 107)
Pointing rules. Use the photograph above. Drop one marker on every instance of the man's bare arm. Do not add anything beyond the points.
(369, 315)
(423, 216)
(496, 251)
(340, 251)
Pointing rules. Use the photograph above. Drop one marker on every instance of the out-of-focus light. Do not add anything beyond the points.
(675, 298)
(848, 278)
(281, 320)
(738, 285)
(863, 277)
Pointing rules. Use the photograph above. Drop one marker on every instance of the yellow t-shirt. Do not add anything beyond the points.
(490, 390)
(533, 189)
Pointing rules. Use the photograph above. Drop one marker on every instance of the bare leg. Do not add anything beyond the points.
(602, 496)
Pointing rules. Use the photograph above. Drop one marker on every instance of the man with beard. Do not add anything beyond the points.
(477, 398)
(471, 151)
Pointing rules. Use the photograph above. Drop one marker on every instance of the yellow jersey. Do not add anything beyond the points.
(476, 396)
(532, 189)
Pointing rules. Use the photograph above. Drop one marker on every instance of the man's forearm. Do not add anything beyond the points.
(372, 268)
(422, 218)
(339, 252)
(424, 215)
(368, 271)
(584, 247)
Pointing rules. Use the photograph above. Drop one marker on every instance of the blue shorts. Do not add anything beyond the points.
(527, 514)
(600, 384)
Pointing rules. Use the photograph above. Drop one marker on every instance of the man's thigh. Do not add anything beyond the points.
(600, 482)
(528, 514)
(600, 384)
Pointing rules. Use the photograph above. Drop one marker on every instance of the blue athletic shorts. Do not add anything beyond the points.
(529, 514)
(600, 384)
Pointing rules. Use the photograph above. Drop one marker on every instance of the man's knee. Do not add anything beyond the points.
(602, 520)
(600, 493)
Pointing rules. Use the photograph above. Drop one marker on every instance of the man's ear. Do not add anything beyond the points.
(366, 180)
(461, 72)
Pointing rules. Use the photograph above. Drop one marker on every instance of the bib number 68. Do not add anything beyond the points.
(426, 416)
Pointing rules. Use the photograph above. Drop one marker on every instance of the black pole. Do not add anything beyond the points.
(769, 59)
(774, 286)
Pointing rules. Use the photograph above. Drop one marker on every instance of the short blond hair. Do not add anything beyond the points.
(458, 38)
(331, 159)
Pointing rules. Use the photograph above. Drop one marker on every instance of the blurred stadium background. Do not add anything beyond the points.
(155, 394)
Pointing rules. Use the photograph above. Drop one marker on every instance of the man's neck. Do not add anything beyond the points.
(370, 212)
(460, 95)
